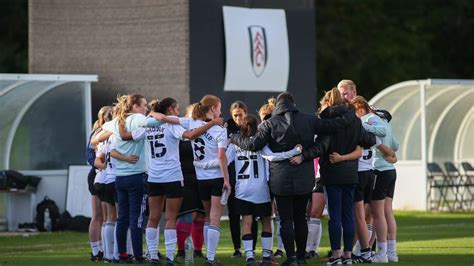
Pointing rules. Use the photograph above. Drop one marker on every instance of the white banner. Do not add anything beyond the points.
(257, 53)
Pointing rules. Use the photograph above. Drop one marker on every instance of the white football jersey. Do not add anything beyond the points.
(205, 146)
(109, 176)
(162, 144)
(251, 178)
(99, 173)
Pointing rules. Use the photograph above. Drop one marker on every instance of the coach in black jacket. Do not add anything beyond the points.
(292, 184)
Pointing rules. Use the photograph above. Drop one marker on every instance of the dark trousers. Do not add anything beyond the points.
(293, 225)
(341, 215)
(132, 204)
(234, 223)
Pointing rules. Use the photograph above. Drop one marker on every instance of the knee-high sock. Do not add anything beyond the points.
(247, 240)
(206, 229)
(109, 240)
(213, 235)
(314, 234)
(267, 244)
(197, 234)
(151, 235)
(170, 243)
(102, 238)
(392, 247)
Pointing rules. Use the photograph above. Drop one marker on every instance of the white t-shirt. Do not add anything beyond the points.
(99, 173)
(109, 175)
(205, 146)
(251, 178)
(162, 144)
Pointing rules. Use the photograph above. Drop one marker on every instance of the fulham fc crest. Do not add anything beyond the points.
(258, 49)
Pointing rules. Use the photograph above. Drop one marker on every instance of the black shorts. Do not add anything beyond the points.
(384, 184)
(211, 187)
(90, 182)
(100, 189)
(318, 188)
(110, 193)
(244, 207)
(365, 187)
(191, 200)
(170, 190)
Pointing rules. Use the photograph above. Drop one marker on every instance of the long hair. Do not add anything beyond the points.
(163, 105)
(238, 104)
(203, 106)
(126, 105)
(266, 110)
(249, 126)
(331, 98)
(359, 102)
(104, 115)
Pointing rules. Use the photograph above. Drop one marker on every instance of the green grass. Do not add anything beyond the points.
(423, 239)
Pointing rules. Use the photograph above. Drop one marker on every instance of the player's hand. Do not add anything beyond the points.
(299, 148)
(335, 157)
(227, 187)
(390, 159)
(218, 121)
(296, 160)
(133, 159)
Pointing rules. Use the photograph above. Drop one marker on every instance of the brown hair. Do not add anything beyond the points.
(266, 109)
(249, 126)
(126, 104)
(359, 102)
(331, 98)
(104, 115)
(203, 106)
(238, 104)
(163, 105)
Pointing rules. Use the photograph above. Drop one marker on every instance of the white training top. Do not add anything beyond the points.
(99, 173)
(251, 170)
(373, 124)
(162, 144)
(205, 146)
(109, 145)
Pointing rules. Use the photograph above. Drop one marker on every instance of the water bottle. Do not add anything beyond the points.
(47, 221)
(188, 251)
(224, 197)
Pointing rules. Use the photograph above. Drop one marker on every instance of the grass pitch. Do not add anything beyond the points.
(423, 239)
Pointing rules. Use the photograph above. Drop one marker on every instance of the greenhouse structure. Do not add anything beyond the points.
(45, 124)
(433, 120)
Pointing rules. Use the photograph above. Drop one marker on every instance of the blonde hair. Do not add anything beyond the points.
(360, 102)
(126, 103)
(104, 115)
(347, 83)
(267, 108)
(189, 110)
(331, 98)
(203, 106)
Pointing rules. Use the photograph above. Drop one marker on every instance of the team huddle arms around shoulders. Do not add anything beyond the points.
(282, 168)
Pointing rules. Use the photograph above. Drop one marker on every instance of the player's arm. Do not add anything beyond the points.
(216, 163)
(388, 154)
(271, 156)
(100, 136)
(99, 161)
(225, 172)
(163, 118)
(119, 156)
(200, 130)
(354, 155)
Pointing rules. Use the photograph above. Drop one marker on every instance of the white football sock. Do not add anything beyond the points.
(213, 235)
(170, 243)
(151, 235)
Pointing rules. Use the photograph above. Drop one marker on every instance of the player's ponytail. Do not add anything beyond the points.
(164, 105)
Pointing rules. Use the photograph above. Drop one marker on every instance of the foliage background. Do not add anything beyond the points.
(376, 43)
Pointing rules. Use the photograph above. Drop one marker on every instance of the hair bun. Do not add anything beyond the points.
(272, 101)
